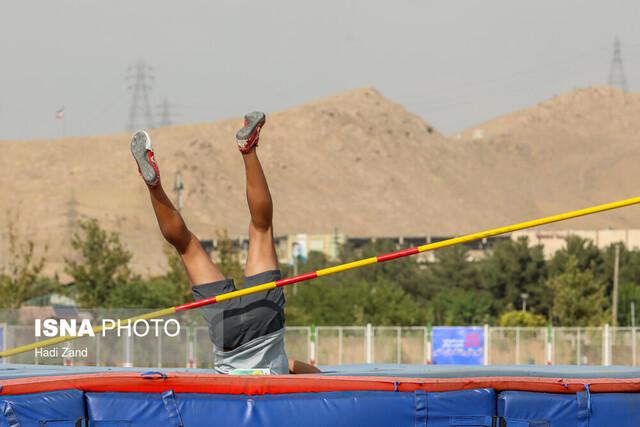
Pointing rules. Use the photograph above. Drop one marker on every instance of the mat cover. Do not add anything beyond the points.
(64, 408)
(368, 408)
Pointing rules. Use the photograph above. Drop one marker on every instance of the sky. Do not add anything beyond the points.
(456, 63)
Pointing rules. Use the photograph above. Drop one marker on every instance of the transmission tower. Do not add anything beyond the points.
(139, 80)
(165, 113)
(72, 215)
(616, 73)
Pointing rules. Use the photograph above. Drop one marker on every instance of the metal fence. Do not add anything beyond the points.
(335, 345)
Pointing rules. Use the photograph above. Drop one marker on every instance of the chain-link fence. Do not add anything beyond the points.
(186, 343)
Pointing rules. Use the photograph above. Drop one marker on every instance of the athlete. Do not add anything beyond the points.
(247, 332)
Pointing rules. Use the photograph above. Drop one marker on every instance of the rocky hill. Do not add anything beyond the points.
(356, 162)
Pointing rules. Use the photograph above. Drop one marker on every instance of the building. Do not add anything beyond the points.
(553, 240)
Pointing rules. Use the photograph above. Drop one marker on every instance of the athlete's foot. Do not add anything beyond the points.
(249, 135)
(143, 154)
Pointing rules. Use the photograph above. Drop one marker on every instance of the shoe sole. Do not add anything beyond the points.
(254, 120)
(140, 145)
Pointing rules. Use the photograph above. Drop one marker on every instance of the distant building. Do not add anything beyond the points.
(553, 240)
(302, 244)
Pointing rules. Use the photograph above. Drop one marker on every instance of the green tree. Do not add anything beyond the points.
(586, 254)
(513, 268)
(580, 298)
(20, 278)
(101, 265)
(522, 318)
(177, 276)
(348, 301)
(628, 293)
(156, 292)
(461, 307)
(453, 270)
(405, 272)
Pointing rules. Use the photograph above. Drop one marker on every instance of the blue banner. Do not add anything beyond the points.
(457, 345)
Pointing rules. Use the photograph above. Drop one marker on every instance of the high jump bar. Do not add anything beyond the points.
(338, 269)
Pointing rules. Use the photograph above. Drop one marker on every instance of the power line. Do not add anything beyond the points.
(616, 72)
(139, 80)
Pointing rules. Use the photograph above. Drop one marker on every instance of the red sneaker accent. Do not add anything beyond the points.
(152, 161)
(254, 121)
(253, 140)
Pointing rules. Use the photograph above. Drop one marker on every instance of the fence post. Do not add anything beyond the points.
(127, 350)
(340, 345)
(578, 347)
(398, 345)
(159, 350)
(3, 340)
(427, 345)
(517, 345)
(634, 345)
(369, 340)
(312, 345)
(549, 344)
(606, 341)
(487, 344)
(190, 348)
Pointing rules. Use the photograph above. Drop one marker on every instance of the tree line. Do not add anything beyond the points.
(572, 288)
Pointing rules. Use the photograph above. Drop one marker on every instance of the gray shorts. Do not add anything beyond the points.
(237, 321)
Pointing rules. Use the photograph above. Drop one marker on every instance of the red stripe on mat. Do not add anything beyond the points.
(252, 385)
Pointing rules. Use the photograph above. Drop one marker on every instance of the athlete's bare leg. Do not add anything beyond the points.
(200, 268)
(197, 262)
(262, 254)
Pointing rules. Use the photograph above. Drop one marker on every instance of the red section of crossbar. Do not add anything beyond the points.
(196, 304)
(399, 254)
(296, 279)
(280, 384)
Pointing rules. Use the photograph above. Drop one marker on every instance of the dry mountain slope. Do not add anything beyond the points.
(576, 149)
(356, 162)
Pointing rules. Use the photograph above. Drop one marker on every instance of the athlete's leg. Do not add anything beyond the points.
(262, 254)
(298, 367)
(197, 262)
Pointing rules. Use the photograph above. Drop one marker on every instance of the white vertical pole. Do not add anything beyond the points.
(127, 351)
(195, 347)
(606, 351)
(190, 347)
(427, 345)
(553, 346)
(579, 347)
(517, 345)
(340, 346)
(309, 343)
(550, 339)
(159, 350)
(313, 334)
(487, 344)
(634, 346)
(398, 346)
(369, 340)
(190, 355)
(633, 332)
